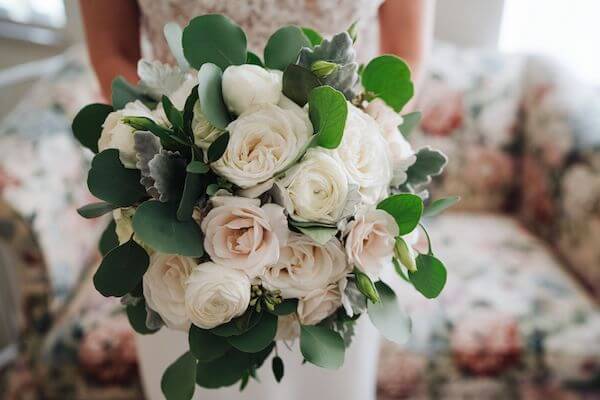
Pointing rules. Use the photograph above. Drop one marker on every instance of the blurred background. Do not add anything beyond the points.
(512, 95)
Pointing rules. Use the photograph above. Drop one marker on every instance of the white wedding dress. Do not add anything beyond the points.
(260, 18)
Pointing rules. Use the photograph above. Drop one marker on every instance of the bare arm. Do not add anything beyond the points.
(112, 30)
(406, 30)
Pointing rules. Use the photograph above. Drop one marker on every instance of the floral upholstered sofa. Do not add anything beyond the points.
(518, 318)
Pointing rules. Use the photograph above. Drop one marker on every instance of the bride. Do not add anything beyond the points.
(121, 31)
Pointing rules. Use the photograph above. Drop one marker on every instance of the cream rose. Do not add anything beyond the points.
(215, 295)
(124, 223)
(319, 304)
(248, 85)
(263, 141)
(239, 234)
(118, 135)
(364, 156)
(288, 327)
(164, 288)
(400, 151)
(316, 189)
(370, 240)
(304, 265)
(204, 132)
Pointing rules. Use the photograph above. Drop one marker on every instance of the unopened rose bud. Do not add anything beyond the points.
(405, 254)
(353, 31)
(365, 286)
(323, 69)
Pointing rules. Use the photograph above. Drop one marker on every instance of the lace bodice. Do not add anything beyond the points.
(260, 18)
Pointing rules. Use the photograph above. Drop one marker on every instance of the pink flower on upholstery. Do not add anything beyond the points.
(442, 108)
(107, 352)
(488, 168)
(536, 195)
(401, 373)
(486, 342)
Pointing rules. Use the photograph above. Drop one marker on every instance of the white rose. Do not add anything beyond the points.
(263, 141)
(400, 151)
(164, 288)
(316, 189)
(118, 135)
(240, 234)
(248, 85)
(370, 240)
(319, 304)
(304, 265)
(204, 132)
(214, 295)
(288, 327)
(364, 155)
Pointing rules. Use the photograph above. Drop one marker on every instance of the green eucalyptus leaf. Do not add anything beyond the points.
(214, 38)
(218, 147)
(429, 163)
(224, 371)
(178, 380)
(210, 96)
(156, 225)
(313, 36)
(109, 239)
(124, 92)
(188, 111)
(197, 167)
(137, 314)
(206, 346)
(387, 316)
(388, 78)
(319, 234)
(95, 210)
(277, 367)
(257, 338)
(87, 124)
(121, 270)
(283, 47)
(409, 123)
(438, 206)
(194, 188)
(252, 58)
(430, 276)
(174, 116)
(239, 325)
(328, 111)
(298, 82)
(286, 307)
(322, 347)
(110, 181)
(406, 209)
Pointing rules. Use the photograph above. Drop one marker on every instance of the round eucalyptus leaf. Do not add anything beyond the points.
(438, 206)
(224, 371)
(328, 111)
(239, 325)
(322, 346)
(286, 307)
(178, 380)
(387, 316)
(193, 189)
(388, 78)
(137, 314)
(95, 210)
(156, 224)
(283, 47)
(87, 124)
(252, 58)
(206, 346)
(257, 338)
(430, 276)
(214, 38)
(121, 270)
(210, 96)
(406, 209)
(313, 36)
(298, 82)
(110, 181)
(109, 239)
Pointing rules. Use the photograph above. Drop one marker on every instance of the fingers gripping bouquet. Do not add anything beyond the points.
(259, 201)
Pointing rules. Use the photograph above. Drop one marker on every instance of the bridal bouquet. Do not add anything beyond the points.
(256, 202)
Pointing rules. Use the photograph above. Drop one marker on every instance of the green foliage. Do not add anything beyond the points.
(387, 316)
(174, 116)
(328, 111)
(177, 382)
(252, 58)
(319, 234)
(156, 224)
(95, 210)
(137, 314)
(388, 78)
(87, 124)
(366, 286)
(121, 270)
(298, 82)
(188, 112)
(322, 347)
(123, 92)
(195, 186)
(167, 174)
(110, 181)
(438, 206)
(406, 209)
(216, 39)
(286, 307)
(210, 96)
(218, 147)
(430, 276)
(409, 123)
(197, 167)
(429, 163)
(109, 239)
(239, 325)
(206, 346)
(277, 367)
(224, 371)
(283, 47)
(313, 36)
(258, 337)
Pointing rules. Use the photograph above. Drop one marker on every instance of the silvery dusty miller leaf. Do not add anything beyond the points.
(159, 79)
(339, 50)
(146, 147)
(167, 169)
